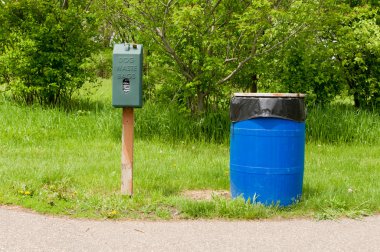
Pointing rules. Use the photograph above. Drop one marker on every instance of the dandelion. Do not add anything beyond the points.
(113, 213)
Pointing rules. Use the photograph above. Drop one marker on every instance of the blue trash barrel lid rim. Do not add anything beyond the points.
(290, 95)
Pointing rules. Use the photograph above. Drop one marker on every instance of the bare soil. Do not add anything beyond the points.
(205, 194)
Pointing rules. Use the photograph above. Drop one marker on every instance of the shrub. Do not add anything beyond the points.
(45, 49)
(101, 64)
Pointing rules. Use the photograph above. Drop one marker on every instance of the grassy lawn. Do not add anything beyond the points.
(68, 163)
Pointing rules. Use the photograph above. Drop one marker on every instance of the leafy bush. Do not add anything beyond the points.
(44, 49)
(101, 64)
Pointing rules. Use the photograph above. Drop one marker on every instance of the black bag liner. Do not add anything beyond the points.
(253, 105)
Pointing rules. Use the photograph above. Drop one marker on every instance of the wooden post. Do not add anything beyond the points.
(127, 152)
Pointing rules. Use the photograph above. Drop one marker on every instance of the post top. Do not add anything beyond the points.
(126, 48)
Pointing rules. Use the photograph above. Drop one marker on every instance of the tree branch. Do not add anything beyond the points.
(184, 69)
(237, 43)
(167, 6)
(65, 4)
(88, 5)
(237, 69)
(214, 7)
(282, 41)
(242, 63)
(255, 54)
(229, 60)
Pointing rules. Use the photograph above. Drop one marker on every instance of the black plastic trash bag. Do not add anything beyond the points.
(246, 106)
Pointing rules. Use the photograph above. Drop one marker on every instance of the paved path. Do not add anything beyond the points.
(25, 231)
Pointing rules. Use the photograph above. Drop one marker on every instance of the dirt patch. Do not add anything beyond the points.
(206, 194)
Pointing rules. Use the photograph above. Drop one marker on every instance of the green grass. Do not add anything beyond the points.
(66, 161)
(343, 124)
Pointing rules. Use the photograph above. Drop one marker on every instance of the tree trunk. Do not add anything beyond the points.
(65, 4)
(351, 84)
(200, 101)
(254, 83)
(356, 100)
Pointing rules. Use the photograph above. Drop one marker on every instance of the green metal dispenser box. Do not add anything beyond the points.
(127, 75)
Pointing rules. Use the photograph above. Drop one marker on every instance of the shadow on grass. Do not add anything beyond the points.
(309, 192)
(69, 105)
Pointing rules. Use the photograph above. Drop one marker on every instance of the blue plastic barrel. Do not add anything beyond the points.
(267, 160)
